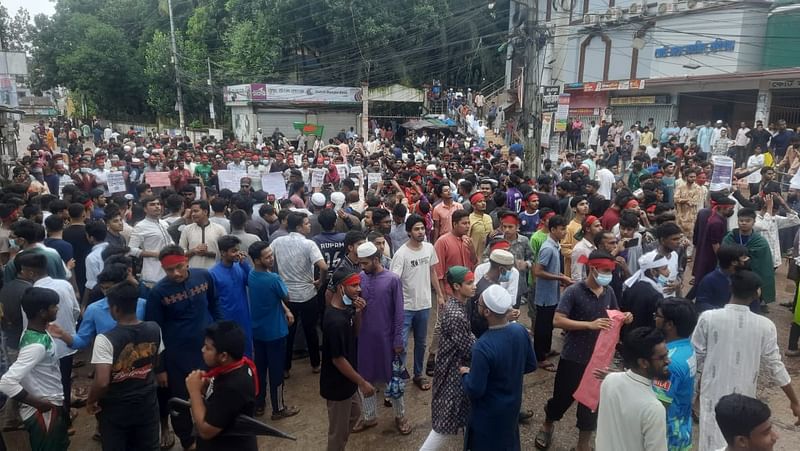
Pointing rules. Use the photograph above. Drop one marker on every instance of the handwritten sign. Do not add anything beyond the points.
(273, 183)
(318, 177)
(229, 179)
(156, 179)
(116, 182)
(722, 176)
(342, 169)
(373, 177)
(356, 171)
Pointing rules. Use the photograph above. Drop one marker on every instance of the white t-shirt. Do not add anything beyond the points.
(414, 269)
(606, 179)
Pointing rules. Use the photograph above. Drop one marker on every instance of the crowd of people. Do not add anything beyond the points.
(658, 281)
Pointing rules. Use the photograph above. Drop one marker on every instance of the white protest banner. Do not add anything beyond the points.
(547, 125)
(273, 183)
(373, 177)
(116, 182)
(230, 179)
(722, 176)
(156, 179)
(318, 177)
(342, 169)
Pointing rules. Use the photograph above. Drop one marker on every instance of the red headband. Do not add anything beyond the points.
(500, 245)
(633, 203)
(477, 197)
(509, 219)
(172, 260)
(352, 280)
(651, 209)
(598, 263)
(591, 220)
(469, 276)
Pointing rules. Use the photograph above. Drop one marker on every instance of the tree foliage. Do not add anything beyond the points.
(118, 52)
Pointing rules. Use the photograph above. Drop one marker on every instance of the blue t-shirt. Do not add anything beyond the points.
(64, 248)
(267, 290)
(528, 223)
(678, 393)
(550, 259)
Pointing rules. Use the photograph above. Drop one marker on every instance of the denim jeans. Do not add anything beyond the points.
(418, 320)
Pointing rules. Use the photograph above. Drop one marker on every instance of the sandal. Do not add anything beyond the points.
(387, 402)
(422, 383)
(362, 426)
(167, 440)
(402, 426)
(430, 365)
(552, 354)
(547, 366)
(543, 439)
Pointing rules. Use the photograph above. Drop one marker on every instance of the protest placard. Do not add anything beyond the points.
(273, 183)
(157, 179)
(230, 179)
(373, 177)
(722, 176)
(116, 182)
(318, 177)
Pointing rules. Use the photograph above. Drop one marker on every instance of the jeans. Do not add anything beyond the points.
(543, 330)
(418, 320)
(134, 426)
(308, 314)
(270, 357)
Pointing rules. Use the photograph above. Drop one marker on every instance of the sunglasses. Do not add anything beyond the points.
(245, 186)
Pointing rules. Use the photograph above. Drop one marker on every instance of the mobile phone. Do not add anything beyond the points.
(633, 242)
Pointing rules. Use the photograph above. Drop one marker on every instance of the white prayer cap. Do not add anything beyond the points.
(496, 299)
(502, 257)
(367, 249)
(337, 198)
(318, 199)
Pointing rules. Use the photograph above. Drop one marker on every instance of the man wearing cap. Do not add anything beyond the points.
(183, 304)
(499, 270)
(582, 313)
(480, 224)
(493, 382)
(381, 336)
(339, 379)
(449, 403)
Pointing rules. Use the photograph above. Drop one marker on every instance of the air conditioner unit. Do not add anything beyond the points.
(635, 9)
(667, 8)
(613, 14)
(693, 4)
(591, 19)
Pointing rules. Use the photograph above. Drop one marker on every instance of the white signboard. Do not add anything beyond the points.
(273, 183)
(229, 179)
(311, 94)
(116, 182)
(318, 177)
(342, 169)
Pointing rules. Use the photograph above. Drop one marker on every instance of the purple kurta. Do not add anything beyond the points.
(381, 325)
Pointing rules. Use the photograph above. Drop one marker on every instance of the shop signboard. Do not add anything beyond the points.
(618, 85)
(311, 94)
(550, 98)
(562, 113)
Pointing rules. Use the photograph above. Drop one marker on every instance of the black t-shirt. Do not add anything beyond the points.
(338, 340)
(136, 351)
(228, 396)
(478, 322)
(76, 236)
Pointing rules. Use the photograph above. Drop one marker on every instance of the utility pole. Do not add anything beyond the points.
(531, 103)
(211, 91)
(181, 122)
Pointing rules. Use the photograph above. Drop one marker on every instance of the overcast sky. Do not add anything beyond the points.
(33, 6)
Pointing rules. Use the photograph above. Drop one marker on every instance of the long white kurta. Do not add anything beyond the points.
(730, 345)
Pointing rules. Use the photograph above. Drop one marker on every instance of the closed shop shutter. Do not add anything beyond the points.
(629, 114)
(268, 120)
(335, 121)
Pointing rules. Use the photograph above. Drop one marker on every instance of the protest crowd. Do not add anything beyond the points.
(186, 270)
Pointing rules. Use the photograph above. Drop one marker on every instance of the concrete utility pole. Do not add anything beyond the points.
(211, 91)
(182, 123)
(531, 103)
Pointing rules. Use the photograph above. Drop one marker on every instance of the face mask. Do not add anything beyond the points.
(505, 277)
(12, 242)
(85, 170)
(346, 300)
(604, 279)
(662, 280)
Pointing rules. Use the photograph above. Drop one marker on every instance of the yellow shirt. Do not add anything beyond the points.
(480, 225)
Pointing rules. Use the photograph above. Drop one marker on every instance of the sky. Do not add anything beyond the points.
(34, 7)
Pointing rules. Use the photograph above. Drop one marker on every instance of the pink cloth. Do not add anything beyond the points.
(588, 392)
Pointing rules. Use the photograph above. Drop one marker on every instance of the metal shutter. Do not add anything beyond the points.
(283, 119)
